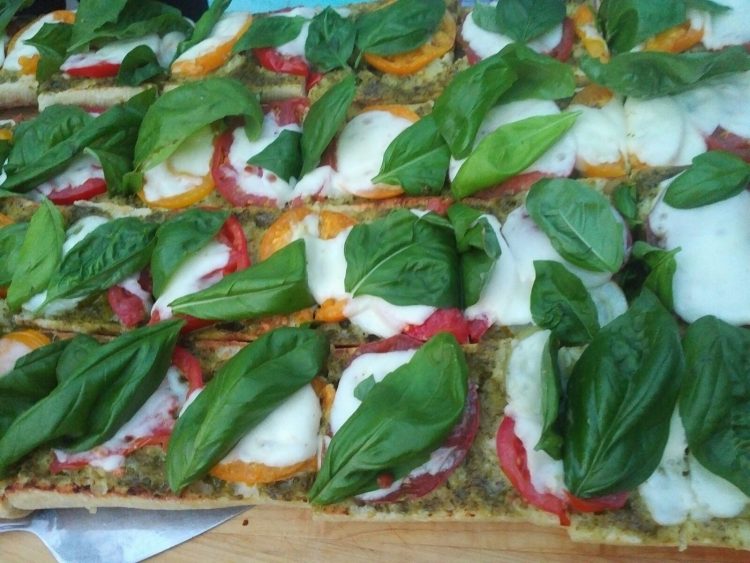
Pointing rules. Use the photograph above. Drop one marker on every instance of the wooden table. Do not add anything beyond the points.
(282, 534)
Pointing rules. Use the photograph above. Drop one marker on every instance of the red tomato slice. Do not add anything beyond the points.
(397, 343)
(614, 501)
(128, 307)
(190, 368)
(288, 111)
(97, 70)
(442, 320)
(564, 49)
(515, 185)
(70, 194)
(270, 59)
(723, 140)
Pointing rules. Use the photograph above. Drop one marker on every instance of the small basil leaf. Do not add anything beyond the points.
(561, 303)
(283, 156)
(651, 75)
(579, 222)
(179, 238)
(401, 26)
(330, 41)
(626, 23)
(509, 150)
(523, 20)
(714, 176)
(464, 103)
(240, 396)
(715, 397)
(272, 31)
(404, 259)
(551, 440)
(363, 389)
(51, 41)
(539, 76)
(622, 390)
(39, 256)
(106, 256)
(662, 266)
(423, 399)
(324, 120)
(138, 66)
(76, 353)
(275, 286)
(11, 238)
(417, 159)
(625, 200)
(204, 26)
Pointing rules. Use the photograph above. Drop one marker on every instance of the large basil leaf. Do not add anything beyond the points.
(92, 15)
(650, 74)
(538, 76)
(417, 159)
(31, 379)
(330, 41)
(8, 9)
(106, 256)
(324, 120)
(275, 286)
(272, 31)
(713, 177)
(521, 20)
(662, 266)
(39, 256)
(398, 27)
(77, 352)
(715, 399)
(553, 408)
(461, 108)
(283, 156)
(404, 259)
(240, 396)
(179, 113)
(139, 65)
(181, 237)
(11, 238)
(478, 247)
(579, 222)
(103, 393)
(51, 41)
(626, 23)
(509, 150)
(561, 303)
(204, 26)
(400, 422)
(621, 395)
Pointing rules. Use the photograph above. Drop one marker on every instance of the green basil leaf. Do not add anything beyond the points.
(417, 159)
(579, 222)
(364, 387)
(39, 256)
(485, 16)
(509, 150)
(204, 26)
(246, 389)
(8, 10)
(179, 238)
(551, 440)
(52, 43)
(464, 103)
(275, 286)
(561, 303)
(401, 26)
(330, 41)
(92, 15)
(625, 200)
(106, 256)
(76, 353)
(103, 393)
(621, 395)
(479, 250)
(179, 113)
(707, 6)
(714, 176)
(715, 397)
(539, 76)
(404, 259)
(651, 75)
(626, 23)
(424, 399)
(662, 266)
(283, 156)
(272, 31)
(11, 239)
(324, 120)
(523, 20)
(138, 66)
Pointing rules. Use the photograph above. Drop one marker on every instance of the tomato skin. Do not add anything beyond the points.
(397, 343)
(723, 140)
(287, 112)
(70, 194)
(98, 70)
(614, 501)
(449, 320)
(128, 307)
(190, 367)
(564, 49)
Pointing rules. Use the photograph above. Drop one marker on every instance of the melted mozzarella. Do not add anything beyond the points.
(132, 285)
(317, 182)
(724, 28)
(183, 171)
(381, 318)
(84, 167)
(599, 133)
(326, 266)
(287, 436)
(557, 161)
(714, 264)
(266, 184)
(296, 47)
(23, 49)
(682, 488)
(722, 103)
(10, 351)
(229, 25)
(486, 43)
(115, 52)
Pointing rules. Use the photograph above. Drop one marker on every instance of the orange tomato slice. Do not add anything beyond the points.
(605, 170)
(675, 40)
(28, 64)
(6, 134)
(593, 96)
(5, 220)
(32, 339)
(203, 64)
(413, 61)
(594, 43)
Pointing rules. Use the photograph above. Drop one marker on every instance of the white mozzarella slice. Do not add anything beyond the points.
(287, 436)
(198, 272)
(713, 265)
(326, 266)
(599, 133)
(80, 230)
(112, 53)
(362, 367)
(132, 285)
(319, 182)
(10, 352)
(85, 167)
(732, 27)
(361, 146)
(296, 47)
(229, 25)
(21, 48)
(610, 302)
(381, 318)
(168, 47)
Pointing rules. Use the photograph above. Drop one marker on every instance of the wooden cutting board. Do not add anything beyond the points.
(282, 534)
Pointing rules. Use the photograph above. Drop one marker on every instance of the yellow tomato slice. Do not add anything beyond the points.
(605, 170)
(593, 96)
(32, 339)
(675, 40)
(5, 220)
(185, 199)
(413, 61)
(6, 134)
(592, 41)
(212, 60)
(28, 64)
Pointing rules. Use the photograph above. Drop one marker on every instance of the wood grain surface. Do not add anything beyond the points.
(290, 534)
